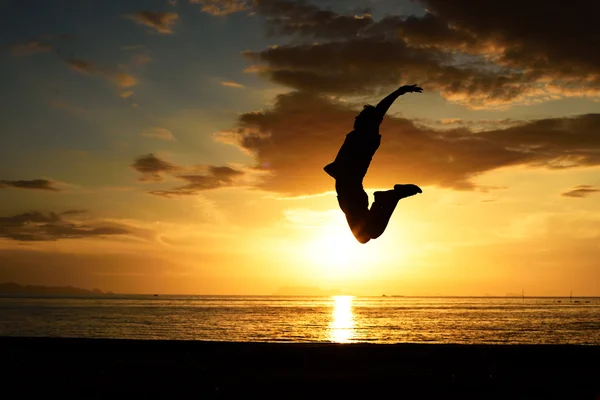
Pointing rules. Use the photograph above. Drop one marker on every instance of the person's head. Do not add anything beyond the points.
(368, 117)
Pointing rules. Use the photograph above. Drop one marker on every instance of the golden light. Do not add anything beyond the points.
(334, 251)
(333, 259)
(341, 329)
(334, 247)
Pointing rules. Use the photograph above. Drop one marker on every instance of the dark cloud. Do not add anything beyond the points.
(552, 37)
(197, 178)
(305, 19)
(303, 132)
(581, 191)
(152, 167)
(361, 66)
(74, 212)
(40, 184)
(37, 226)
(161, 21)
(215, 178)
(449, 49)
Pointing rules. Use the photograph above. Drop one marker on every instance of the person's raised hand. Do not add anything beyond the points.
(411, 89)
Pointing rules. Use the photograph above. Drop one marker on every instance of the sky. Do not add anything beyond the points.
(178, 147)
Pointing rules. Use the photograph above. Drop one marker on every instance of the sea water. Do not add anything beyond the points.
(342, 319)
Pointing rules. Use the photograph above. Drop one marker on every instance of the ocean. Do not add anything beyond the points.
(340, 319)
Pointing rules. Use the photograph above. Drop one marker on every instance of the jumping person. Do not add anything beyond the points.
(350, 167)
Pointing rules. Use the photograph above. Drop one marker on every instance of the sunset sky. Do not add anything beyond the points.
(178, 146)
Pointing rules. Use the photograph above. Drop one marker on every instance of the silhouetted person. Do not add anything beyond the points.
(350, 167)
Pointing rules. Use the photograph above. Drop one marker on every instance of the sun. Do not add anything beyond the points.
(332, 257)
(335, 252)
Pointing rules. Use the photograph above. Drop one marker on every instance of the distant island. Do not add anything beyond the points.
(15, 288)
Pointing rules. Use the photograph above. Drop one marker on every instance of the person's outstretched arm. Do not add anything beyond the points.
(387, 102)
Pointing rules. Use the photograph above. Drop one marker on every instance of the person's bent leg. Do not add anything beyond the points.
(384, 205)
(354, 202)
(380, 213)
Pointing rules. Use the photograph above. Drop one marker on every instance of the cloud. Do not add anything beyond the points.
(39, 184)
(530, 40)
(581, 191)
(448, 49)
(232, 84)
(133, 47)
(295, 139)
(301, 18)
(474, 125)
(74, 212)
(214, 178)
(40, 44)
(197, 178)
(85, 67)
(362, 66)
(61, 105)
(37, 226)
(121, 79)
(222, 7)
(159, 133)
(141, 59)
(30, 48)
(161, 21)
(152, 168)
(124, 80)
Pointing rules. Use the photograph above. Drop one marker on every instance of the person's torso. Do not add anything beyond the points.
(357, 151)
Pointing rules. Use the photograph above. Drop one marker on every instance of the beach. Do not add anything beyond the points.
(196, 369)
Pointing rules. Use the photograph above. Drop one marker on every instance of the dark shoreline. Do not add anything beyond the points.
(178, 369)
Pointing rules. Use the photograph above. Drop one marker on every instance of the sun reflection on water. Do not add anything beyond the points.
(341, 328)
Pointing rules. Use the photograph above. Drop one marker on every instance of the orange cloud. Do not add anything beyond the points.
(222, 7)
(29, 48)
(474, 125)
(124, 80)
(121, 79)
(40, 44)
(66, 106)
(302, 133)
(140, 59)
(82, 66)
(161, 21)
(232, 84)
(159, 133)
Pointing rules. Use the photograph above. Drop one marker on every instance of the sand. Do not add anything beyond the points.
(93, 368)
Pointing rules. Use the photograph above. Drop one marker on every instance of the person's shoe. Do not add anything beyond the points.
(407, 190)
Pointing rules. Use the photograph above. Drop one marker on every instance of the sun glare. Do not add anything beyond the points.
(333, 248)
(341, 329)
